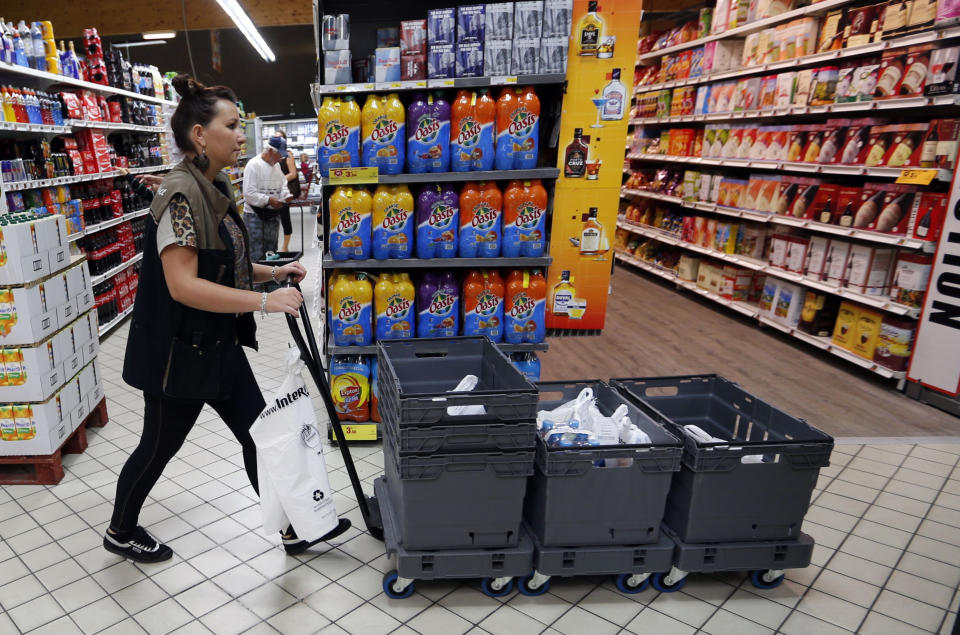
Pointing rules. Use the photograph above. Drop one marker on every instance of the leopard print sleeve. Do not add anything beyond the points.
(184, 231)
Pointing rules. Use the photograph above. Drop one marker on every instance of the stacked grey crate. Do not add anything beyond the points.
(455, 482)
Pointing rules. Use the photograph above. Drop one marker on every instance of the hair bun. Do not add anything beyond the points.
(187, 86)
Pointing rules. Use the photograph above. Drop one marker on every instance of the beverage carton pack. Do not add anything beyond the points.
(557, 18)
(528, 19)
(553, 55)
(413, 67)
(387, 67)
(470, 59)
(336, 67)
(441, 26)
(497, 57)
(413, 37)
(441, 61)
(471, 23)
(526, 56)
(499, 21)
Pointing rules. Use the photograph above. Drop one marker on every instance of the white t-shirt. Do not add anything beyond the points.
(262, 181)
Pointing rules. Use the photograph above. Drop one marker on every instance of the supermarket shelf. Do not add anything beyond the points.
(751, 27)
(80, 178)
(32, 128)
(764, 217)
(788, 166)
(448, 177)
(941, 33)
(109, 125)
(317, 90)
(831, 109)
(332, 349)
(95, 280)
(109, 326)
(753, 311)
(92, 229)
(435, 263)
(824, 343)
(878, 302)
(53, 78)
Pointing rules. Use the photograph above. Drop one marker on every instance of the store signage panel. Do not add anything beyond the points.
(600, 69)
(936, 352)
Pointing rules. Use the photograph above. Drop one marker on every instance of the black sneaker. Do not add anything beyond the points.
(294, 546)
(139, 546)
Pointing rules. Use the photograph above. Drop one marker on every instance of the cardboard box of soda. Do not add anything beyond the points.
(33, 250)
(29, 313)
(34, 429)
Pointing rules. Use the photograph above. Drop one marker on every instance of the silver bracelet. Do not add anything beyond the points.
(263, 304)
(273, 273)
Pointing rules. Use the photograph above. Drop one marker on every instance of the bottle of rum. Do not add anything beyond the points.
(825, 214)
(591, 235)
(589, 31)
(923, 225)
(846, 219)
(563, 293)
(614, 98)
(575, 161)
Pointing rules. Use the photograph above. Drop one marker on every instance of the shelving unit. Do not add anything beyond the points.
(92, 229)
(15, 186)
(95, 280)
(109, 326)
(317, 91)
(436, 263)
(38, 78)
(504, 347)
(909, 108)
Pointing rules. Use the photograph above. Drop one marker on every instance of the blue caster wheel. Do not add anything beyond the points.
(487, 588)
(388, 580)
(524, 587)
(759, 580)
(658, 580)
(623, 584)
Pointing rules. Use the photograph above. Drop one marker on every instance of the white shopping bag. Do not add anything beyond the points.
(290, 466)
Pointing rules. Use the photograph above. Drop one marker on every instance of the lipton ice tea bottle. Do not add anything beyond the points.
(524, 219)
(481, 221)
(350, 387)
(524, 314)
(350, 211)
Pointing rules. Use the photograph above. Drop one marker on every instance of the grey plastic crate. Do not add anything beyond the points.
(716, 497)
(573, 501)
(457, 501)
(416, 375)
(496, 436)
(604, 559)
(742, 556)
(459, 563)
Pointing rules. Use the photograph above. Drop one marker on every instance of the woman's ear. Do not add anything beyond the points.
(196, 135)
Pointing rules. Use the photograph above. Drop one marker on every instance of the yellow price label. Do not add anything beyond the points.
(341, 87)
(354, 176)
(510, 80)
(360, 432)
(917, 176)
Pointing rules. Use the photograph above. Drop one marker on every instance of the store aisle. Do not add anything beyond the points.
(886, 518)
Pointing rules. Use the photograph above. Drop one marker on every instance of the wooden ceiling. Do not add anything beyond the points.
(117, 17)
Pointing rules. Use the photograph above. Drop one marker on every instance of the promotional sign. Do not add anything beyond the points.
(596, 113)
(936, 352)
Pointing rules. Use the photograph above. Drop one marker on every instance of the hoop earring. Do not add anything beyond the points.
(202, 161)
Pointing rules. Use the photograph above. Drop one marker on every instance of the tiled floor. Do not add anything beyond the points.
(885, 517)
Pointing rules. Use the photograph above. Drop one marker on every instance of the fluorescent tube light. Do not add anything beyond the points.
(159, 35)
(240, 18)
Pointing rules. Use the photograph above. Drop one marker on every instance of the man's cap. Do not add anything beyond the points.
(278, 144)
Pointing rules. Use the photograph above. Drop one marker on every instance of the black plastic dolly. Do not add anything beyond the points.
(310, 354)
(765, 560)
(631, 566)
(496, 568)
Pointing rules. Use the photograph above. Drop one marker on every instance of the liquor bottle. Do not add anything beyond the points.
(575, 163)
(614, 98)
(590, 30)
(591, 234)
(563, 293)
(928, 155)
(826, 265)
(826, 212)
(846, 219)
(923, 225)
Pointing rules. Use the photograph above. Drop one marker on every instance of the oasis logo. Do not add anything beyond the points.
(427, 129)
(336, 135)
(395, 217)
(385, 130)
(349, 221)
(442, 303)
(398, 305)
(487, 303)
(523, 306)
(469, 131)
(521, 122)
(349, 310)
(484, 217)
(441, 216)
(529, 215)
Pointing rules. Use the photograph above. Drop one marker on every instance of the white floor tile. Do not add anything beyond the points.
(20, 591)
(35, 613)
(267, 600)
(303, 581)
(909, 610)
(509, 621)
(368, 619)
(202, 598)
(98, 615)
(723, 622)
(333, 601)
(164, 617)
(832, 609)
(650, 621)
(802, 624)
(298, 619)
(683, 607)
(140, 596)
(230, 618)
(62, 626)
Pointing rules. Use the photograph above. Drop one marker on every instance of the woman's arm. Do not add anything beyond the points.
(180, 271)
(291, 168)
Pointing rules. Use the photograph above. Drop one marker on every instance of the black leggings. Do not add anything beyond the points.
(285, 220)
(166, 423)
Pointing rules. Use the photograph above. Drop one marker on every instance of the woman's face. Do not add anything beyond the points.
(223, 136)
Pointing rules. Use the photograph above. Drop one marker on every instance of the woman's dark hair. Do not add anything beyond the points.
(197, 105)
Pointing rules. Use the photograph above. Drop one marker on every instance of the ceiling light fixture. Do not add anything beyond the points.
(240, 18)
(146, 43)
(159, 35)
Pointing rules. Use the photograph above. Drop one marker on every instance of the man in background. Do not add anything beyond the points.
(264, 193)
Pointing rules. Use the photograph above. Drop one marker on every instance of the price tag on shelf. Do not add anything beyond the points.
(440, 83)
(354, 176)
(917, 176)
(341, 88)
(420, 83)
(360, 432)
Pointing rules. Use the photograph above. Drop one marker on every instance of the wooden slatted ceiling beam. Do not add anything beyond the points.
(119, 17)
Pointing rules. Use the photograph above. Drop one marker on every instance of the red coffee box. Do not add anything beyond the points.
(413, 67)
